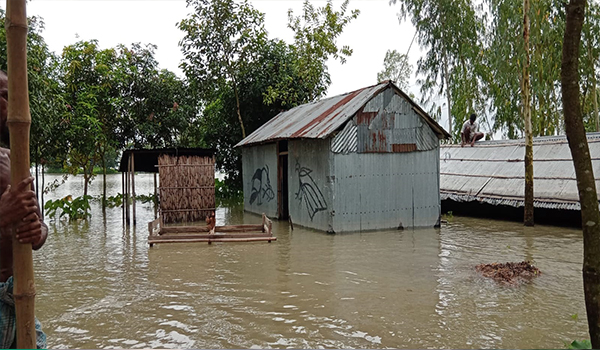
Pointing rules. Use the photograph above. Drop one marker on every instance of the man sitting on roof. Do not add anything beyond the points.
(470, 131)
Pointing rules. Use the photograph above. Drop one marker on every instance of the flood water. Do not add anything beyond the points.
(102, 286)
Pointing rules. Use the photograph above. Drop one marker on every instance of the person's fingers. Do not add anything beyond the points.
(7, 190)
(32, 216)
(24, 184)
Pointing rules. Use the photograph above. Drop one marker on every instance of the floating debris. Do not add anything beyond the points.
(510, 273)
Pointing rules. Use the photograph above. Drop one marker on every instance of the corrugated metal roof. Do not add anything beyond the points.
(318, 120)
(493, 172)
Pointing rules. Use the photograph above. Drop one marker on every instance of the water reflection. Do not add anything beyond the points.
(101, 286)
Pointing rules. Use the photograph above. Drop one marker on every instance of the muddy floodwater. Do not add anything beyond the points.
(101, 286)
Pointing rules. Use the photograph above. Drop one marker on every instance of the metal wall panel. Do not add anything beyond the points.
(388, 119)
(381, 191)
(309, 186)
(259, 170)
(346, 140)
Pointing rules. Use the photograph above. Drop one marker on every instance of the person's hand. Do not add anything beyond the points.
(17, 204)
(473, 143)
(30, 231)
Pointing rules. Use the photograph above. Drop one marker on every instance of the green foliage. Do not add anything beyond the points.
(45, 100)
(77, 208)
(451, 34)
(316, 32)
(147, 198)
(579, 344)
(112, 201)
(223, 191)
(396, 68)
(504, 66)
(242, 79)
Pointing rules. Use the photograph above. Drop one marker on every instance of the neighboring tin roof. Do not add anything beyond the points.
(318, 120)
(493, 172)
(146, 160)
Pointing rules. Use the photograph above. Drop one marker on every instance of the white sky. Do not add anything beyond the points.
(376, 30)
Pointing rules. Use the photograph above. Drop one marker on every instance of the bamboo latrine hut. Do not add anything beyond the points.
(185, 186)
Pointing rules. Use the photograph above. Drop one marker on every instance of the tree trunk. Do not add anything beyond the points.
(526, 93)
(586, 185)
(237, 102)
(594, 90)
(448, 96)
(42, 189)
(19, 123)
(104, 181)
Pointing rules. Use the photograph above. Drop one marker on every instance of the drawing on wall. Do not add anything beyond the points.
(309, 192)
(261, 186)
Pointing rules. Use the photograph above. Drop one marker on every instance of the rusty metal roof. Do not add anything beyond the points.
(318, 120)
(493, 172)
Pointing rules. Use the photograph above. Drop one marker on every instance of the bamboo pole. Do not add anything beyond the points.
(126, 193)
(123, 193)
(133, 187)
(155, 206)
(19, 123)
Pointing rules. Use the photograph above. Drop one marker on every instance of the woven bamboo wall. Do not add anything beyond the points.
(186, 188)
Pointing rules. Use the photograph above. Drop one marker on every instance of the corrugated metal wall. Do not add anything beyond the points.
(380, 191)
(388, 122)
(310, 181)
(259, 167)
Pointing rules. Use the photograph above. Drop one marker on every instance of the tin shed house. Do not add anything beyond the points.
(364, 160)
(489, 179)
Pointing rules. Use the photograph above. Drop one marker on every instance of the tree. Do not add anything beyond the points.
(45, 93)
(590, 66)
(526, 94)
(396, 68)
(451, 33)
(88, 78)
(586, 184)
(315, 41)
(244, 79)
(221, 39)
(150, 111)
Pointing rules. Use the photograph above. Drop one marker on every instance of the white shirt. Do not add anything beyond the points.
(470, 128)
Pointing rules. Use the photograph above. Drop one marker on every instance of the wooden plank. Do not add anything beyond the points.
(210, 240)
(199, 228)
(217, 235)
(153, 225)
(238, 228)
(183, 229)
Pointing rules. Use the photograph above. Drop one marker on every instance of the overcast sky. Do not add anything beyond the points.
(376, 30)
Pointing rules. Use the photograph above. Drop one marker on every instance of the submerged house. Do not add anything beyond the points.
(364, 160)
(489, 179)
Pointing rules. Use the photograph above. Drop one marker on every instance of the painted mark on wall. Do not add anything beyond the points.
(261, 186)
(309, 192)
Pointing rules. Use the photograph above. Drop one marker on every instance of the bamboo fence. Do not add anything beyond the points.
(187, 188)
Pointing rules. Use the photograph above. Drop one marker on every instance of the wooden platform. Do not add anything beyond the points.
(159, 233)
